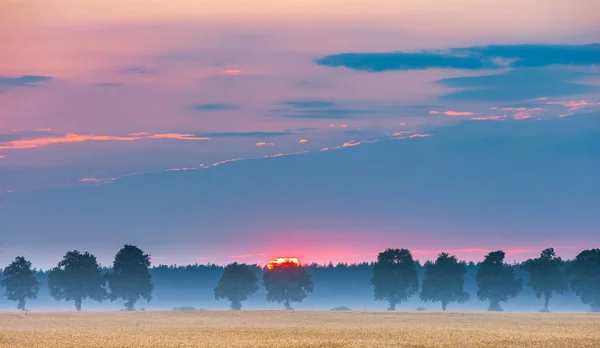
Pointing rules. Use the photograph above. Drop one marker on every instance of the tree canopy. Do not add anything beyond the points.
(19, 282)
(287, 282)
(77, 277)
(496, 281)
(237, 284)
(585, 278)
(130, 279)
(444, 281)
(546, 275)
(394, 277)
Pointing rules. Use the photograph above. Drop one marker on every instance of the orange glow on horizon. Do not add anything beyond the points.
(277, 262)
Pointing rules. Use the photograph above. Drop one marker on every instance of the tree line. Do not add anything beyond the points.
(394, 279)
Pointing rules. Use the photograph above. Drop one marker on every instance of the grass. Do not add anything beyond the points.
(297, 329)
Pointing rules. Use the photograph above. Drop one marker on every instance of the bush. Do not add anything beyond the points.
(341, 308)
(184, 308)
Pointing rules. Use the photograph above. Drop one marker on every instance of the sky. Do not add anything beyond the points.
(329, 130)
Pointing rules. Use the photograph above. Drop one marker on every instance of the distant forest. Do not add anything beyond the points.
(342, 286)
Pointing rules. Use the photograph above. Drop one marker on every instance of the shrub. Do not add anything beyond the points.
(184, 308)
(341, 308)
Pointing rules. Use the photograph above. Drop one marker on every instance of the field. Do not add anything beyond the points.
(298, 329)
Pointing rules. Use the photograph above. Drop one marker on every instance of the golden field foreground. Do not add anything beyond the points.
(298, 329)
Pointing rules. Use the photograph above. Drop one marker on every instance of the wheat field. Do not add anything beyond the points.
(297, 329)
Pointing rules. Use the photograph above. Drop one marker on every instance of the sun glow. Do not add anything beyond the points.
(280, 261)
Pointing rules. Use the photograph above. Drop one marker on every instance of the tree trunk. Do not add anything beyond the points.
(287, 305)
(129, 304)
(495, 306)
(547, 301)
(236, 305)
(444, 305)
(392, 306)
(78, 304)
(21, 304)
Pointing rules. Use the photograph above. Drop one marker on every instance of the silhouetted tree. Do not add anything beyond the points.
(237, 284)
(287, 282)
(130, 279)
(19, 282)
(77, 277)
(444, 281)
(394, 277)
(496, 281)
(585, 278)
(546, 275)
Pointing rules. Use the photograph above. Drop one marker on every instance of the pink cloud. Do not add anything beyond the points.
(77, 138)
(285, 154)
(538, 99)
(458, 113)
(1, 157)
(488, 118)
(232, 72)
(399, 133)
(227, 161)
(351, 143)
(418, 135)
(522, 115)
(184, 169)
(262, 143)
(176, 136)
(68, 138)
(93, 181)
(434, 112)
(572, 105)
(522, 109)
(302, 141)
(566, 115)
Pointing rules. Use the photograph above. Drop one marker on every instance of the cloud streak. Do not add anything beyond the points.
(471, 58)
(215, 107)
(78, 138)
(23, 81)
(458, 113)
(517, 85)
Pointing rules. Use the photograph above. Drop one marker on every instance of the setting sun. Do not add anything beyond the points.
(282, 260)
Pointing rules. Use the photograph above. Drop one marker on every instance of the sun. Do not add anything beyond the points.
(276, 262)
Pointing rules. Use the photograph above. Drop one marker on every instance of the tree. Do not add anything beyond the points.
(394, 277)
(496, 281)
(585, 277)
(444, 281)
(19, 282)
(287, 282)
(77, 277)
(237, 284)
(130, 279)
(546, 275)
